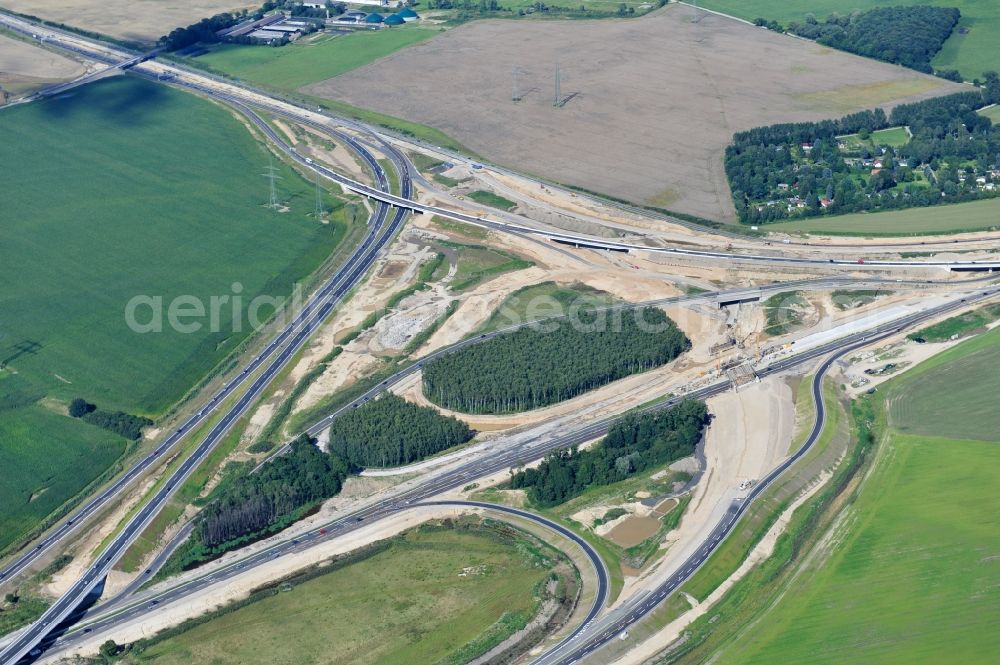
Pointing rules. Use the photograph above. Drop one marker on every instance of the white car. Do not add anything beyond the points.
(746, 484)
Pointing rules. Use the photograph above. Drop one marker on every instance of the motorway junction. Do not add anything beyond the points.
(763, 313)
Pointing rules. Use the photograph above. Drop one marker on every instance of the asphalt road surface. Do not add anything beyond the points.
(278, 352)
(595, 633)
(620, 621)
(406, 202)
(151, 603)
(267, 364)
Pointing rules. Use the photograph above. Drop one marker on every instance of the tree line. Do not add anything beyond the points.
(807, 164)
(554, 361)
(908, 36)
(204, 31)
(119, 422)
(255, 505)
(634, 443)
(390, 431)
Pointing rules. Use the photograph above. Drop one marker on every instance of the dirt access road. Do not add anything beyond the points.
(652, 101)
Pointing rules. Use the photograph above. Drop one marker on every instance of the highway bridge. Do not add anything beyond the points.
(255, 377)
(261, 370)
(238, 96)
(59, 89)
(590, 636)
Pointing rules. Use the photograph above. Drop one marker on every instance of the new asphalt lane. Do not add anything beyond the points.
(317, 427)
(591, 634)
(299, 334)
(258, 374)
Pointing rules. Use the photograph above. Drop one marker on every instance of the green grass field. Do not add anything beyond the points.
(156, 193)
(310, 60)
(914, 579)
(955, 218)
(993, 113)
(545, 300)
(952, 394)
(784, 312)
(492, 200)
(46, 458)
(845, 299)
(913, 575)
(317, 58)
(477, 263)
(894, 136)
(407, 604)
(972, 53)
(126, 188)
(959, 325)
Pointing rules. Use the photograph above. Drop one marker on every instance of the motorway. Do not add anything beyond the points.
(158, 600)
(238, 94)
(314, 429)
(274, 357)
(741, 294)
(590, 635)
(620, 621)
(269, 362)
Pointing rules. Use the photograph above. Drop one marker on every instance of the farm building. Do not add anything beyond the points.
(353, 16)
(248, 26)
(285, 28)
(268, 35)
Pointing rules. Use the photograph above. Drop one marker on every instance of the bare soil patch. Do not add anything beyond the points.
(652, 102)
(26, 68)
(634, 530)
(137, 20)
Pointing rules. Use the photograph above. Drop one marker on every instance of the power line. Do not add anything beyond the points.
(515, 92)
(319, 201)
(557, 99)
(269, 173)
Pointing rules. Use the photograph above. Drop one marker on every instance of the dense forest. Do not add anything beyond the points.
(203, 31)
(948, 153)
(551, 362)
(908, 36)
(390, 431)
(634, 443)
(255, 505)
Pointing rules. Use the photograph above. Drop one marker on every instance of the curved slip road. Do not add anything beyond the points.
(270, 362)
(319, 305)
(138, 608)
(592, 634)
(201, 82)
(621, 620)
